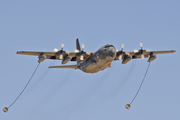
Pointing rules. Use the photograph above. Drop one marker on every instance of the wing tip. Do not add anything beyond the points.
(19, 52)
(173, 51)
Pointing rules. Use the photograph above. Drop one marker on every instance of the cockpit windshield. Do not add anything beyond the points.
(108, 45)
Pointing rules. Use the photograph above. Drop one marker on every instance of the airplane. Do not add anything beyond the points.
(93, 62)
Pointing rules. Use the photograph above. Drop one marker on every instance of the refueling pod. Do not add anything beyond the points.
(66, 59)
(41, 58)
(127, 59)
(152, 57)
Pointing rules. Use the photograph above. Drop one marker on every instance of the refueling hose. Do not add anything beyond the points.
(128, 106)
(5, 109)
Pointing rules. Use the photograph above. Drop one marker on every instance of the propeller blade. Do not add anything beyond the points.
(81, 57)
(141, 44)
(136, 51)
(142, 56)
(120, 57)
(76, 50)
(122, 46)
(83, 46)
(62, 45)
(56, 50)
(61, 57)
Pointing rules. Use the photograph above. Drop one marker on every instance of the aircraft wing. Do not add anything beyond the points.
(35, 53)
(138, 54)
(78, 55)
(151, 52)
(55, 55)
(163, 52)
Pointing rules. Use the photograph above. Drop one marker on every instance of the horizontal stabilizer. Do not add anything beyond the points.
(65, 66)
(163, 52)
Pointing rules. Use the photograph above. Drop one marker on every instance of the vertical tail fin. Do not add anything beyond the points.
(78, 47)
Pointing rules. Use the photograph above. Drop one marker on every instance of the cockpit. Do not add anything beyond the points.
(108, 45)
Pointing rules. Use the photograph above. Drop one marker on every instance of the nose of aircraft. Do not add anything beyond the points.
(112, 51)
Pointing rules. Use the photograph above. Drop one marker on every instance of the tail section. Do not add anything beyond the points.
(78, 47)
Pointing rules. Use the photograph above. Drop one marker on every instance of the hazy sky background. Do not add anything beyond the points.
(67, 94)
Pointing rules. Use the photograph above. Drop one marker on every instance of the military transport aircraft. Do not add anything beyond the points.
(93, 62)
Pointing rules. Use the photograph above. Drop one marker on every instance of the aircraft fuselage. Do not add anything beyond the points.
(100, 60)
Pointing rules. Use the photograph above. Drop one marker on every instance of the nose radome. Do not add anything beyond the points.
(112, 51)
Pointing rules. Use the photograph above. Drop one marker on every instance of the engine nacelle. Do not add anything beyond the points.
(127, 59)
(152, 57)
(66, 59)
(59, 55)
(42, 58)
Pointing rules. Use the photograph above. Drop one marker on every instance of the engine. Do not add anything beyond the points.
(66, 59)
(126, 59)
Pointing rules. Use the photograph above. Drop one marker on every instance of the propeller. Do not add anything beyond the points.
(76, 50)
(142, 55)
(121, 52)
(122, 47)
(141, 51)
(141, 45)
(59, 52)
(83, 47)
(62, 46)
(82, 52)
(56, 50)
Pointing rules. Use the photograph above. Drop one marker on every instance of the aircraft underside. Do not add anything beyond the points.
(92, 66)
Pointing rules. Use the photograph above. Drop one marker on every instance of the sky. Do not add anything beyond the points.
(68, 94)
